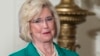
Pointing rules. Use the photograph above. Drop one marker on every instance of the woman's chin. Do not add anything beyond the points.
(47, 39)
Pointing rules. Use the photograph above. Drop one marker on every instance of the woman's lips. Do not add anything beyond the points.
(46, 32)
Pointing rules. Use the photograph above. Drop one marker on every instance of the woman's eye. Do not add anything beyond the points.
(49, 18)
(37, 21)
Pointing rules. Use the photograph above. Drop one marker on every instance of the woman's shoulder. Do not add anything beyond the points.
(18, 53)
(69, 52)
(65, 51)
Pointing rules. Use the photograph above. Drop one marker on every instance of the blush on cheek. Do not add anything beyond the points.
(34, 29)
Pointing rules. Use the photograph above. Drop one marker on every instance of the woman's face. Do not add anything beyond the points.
(43, 28)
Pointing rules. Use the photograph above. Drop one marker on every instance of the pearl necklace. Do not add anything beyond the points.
(42, 54)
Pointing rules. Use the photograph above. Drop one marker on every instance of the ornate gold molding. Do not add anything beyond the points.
(70, 15)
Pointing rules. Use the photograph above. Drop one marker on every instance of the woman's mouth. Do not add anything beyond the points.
(46, 32)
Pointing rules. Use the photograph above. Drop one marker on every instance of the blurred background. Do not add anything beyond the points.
(88, 33)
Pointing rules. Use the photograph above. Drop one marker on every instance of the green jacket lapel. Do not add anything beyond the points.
(59, 50)
(31, 50)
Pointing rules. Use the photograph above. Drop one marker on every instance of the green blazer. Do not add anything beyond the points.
(30, 50)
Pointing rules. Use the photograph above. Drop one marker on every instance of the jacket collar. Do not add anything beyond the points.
(31, 50)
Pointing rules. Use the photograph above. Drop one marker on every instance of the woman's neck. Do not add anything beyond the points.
(45, 47)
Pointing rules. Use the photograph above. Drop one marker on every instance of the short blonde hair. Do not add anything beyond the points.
(32, 8)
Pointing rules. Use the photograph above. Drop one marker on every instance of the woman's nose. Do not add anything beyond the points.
(45, 24)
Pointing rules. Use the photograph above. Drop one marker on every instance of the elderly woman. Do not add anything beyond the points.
(39, 24)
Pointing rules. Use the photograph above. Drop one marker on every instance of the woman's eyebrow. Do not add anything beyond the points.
(37, 18)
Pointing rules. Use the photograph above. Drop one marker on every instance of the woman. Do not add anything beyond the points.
(39, 24)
